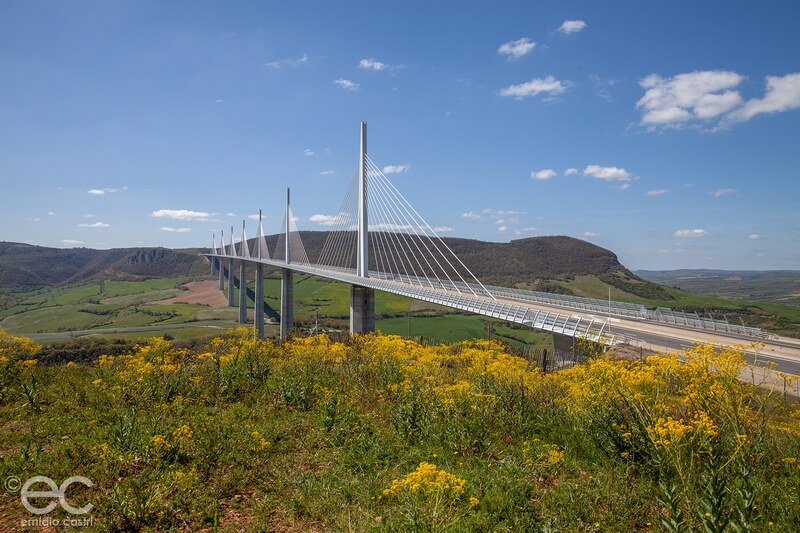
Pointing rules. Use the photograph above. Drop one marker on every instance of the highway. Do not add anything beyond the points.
(784, 352)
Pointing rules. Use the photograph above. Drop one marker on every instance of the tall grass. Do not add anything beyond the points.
(380, 433)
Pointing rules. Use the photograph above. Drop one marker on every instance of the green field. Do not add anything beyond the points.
(125, 309)
(452, 328)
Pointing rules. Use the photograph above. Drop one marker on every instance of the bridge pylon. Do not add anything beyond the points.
(362, 299)
(287, 279)
(258, 301)
(231, 279)
(243, 277)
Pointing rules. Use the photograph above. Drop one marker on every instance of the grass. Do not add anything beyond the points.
(126, 305)
(381, 434)
(455, 328)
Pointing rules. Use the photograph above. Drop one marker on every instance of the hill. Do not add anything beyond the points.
(780, 286)
(538, 263)
(28, 266)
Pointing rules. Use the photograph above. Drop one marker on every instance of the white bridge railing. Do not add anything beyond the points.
(565, 324)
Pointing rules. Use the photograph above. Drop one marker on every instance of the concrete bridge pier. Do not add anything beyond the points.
(362, 309)
(287, 302)
(213, 261)
(231, 283)
(221, 274)
(258, 305)
(242, 293)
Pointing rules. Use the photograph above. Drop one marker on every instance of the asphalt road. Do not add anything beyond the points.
(784, 352)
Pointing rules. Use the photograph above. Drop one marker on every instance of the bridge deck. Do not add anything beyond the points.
(548, 320)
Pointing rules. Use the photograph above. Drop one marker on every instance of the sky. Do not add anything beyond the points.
(668, 133)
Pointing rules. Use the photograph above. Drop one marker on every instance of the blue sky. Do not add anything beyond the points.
(668, 133)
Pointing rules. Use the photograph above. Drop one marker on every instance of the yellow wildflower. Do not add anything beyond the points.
(427, 478)
(183, 432)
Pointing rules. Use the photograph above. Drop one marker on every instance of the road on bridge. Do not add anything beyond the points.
(784, 352)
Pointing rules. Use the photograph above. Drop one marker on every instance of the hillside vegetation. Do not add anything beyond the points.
(778, 286)
(28, 266)
(384, 434)
(532, 263)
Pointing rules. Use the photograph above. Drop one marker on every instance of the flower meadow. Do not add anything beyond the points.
(382, 433)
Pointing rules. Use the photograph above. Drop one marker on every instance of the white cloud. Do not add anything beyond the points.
(175, 230)
(603, 86)
(524, 231)
(589, 234)
(329, 220)
(308, 151)
(623, 187)
(71, 241)
(572, 26)
(754, 237)
(371, 64)
(693, 233)
(544, 174)
(181, 214)
(219, 100)
(469, 215)
(502, 212)
(570, 171)
(502, 228)
(230, 214)
(254, 216)
(656, 192)
(517, 49)
(548, 85)
(346, 84)
(442, 229)
(607, 173)
(374, 64)
(51, 213)
(396, 169)
(105, 190)
(385, 226)
(503, 216)
(710, 97)
(95, 225)
(699, 95)
(326, 173)
(89, 216)
(288, 62)
(722, 192)
(782, 94)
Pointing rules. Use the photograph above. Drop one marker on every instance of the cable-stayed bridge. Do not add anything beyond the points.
(378, 241)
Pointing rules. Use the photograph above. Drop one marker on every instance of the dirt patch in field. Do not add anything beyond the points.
(199, 292)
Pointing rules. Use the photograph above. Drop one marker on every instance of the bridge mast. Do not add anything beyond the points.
(288, 221)
(362, 299)
(362, 264)
(287, 282)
